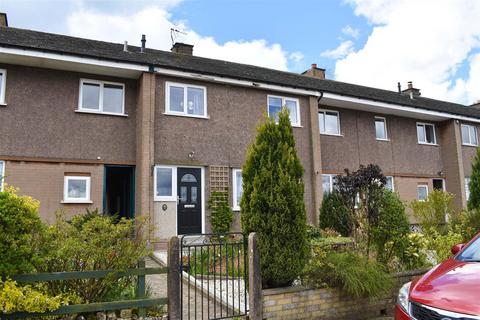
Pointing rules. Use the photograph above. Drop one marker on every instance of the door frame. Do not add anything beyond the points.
(132, 188)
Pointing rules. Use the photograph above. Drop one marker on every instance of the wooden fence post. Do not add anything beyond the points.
(174, 280)
(141, 287)
(255, 300)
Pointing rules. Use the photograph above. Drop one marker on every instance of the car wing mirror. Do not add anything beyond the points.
(457, 248)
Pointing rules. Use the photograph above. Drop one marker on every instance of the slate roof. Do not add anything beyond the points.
(29, 39)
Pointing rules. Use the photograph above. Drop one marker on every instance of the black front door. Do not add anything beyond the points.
(189, 208)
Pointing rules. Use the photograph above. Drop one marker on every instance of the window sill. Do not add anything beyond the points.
(429, 144)
(76, 201)
(3, 104)
(331, 134)
(470, 145)
(236, 209)
(186, 115)
(385, 140)
(102, 113)
(165, 199)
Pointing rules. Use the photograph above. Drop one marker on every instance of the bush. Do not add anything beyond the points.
(221, 213)
(392, 227)
(272, 203)
(467, 223)
(440, 245)
(92, 242)
(415, 255)
(432, 212)
(349, 271)
(20, 229)
(474, 187)
(334, 214)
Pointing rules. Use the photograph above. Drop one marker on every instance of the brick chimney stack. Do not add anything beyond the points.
(315, 72)
(411, 91)
(182, 48)
(3, 19)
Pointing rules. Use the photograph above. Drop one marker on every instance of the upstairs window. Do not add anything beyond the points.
(76, 189)
(101, 97)
(381, 128)
(3, 82)
(186, 100)
(329, 122)
(469, 135)
(275, 104)
(237, 188)
(2, 174)
(426, 133)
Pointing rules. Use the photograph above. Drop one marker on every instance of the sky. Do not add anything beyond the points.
(434, 43)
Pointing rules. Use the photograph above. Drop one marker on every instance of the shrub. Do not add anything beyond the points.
(467, 223)
(20, 228)
(349, 271)
(392, 227)
(415, 255)
(334, 214)
(474, 199)
(440, 244)
(92, 242)
(432, 212)
(272, 203)
(221, 213)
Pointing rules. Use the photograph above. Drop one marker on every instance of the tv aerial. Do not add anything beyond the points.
(175, 34)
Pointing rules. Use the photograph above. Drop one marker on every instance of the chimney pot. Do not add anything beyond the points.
(182, 48)
(3, 19)
(125, 46)
(144, 39)
(315, 72)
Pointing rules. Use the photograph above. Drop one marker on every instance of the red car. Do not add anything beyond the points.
(449, 291)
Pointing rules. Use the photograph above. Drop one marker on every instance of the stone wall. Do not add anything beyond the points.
(307, 303)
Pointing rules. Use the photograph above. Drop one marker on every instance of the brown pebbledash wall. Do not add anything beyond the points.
(326, 304)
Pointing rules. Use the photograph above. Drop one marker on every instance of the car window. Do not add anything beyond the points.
(472, 252)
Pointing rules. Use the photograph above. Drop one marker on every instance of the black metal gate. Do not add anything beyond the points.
(214, 276)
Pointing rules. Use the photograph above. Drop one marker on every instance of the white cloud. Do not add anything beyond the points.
(341, 51)
(155, 22)
(349, 31)
(296, 56)
(421, 41)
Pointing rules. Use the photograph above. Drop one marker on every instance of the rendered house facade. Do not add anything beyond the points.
(128, 129)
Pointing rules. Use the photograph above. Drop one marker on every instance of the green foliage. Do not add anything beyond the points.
(415, 255)
(272, 203)
(91, 243)
(440, 244)
(351, 272)
(392, 227)
(474, 199)
(221, 213)
(334, 214)
(14, 298)
(467, 223)
(313, 232)
(431, 212)
(20, 228)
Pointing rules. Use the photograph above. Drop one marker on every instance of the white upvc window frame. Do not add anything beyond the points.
(67, 199)
(324, 111)
(330, 177)
(467, 188)
(4, 86)
(185, 87)
(173, 196)
(424, 124)
(235, 199)
(469, 136)
(418, 194)
(284, 99)
(100, 99)
(2, 176)
(393, 183)
(384, 119)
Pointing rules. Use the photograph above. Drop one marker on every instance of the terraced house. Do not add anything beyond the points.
(129, 129)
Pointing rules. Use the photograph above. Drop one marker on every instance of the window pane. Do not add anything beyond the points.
(473, 135)
(380, 131)
(188, 178)
(1, 175)
(164, 182)
(112, 98)
(420, 133)
(422, 192)
(193, 190)
(176, 99)
(239, 187)
(467, 188)
(91, 96)
(274, 107)
(429, 134)
(389, 184)
(326, 183)
(321, 122)
(292, 108)
(183, 194)
(77, 189)
(465, 133)
(331, 123)
(1, 86)
(195, 101)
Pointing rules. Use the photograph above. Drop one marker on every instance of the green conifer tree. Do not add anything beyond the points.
(272, 203)
(474, 200)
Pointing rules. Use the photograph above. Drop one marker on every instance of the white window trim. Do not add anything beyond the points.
(100, 111)
(4, 86)
(2, 176)
(185, 87)
(384, 126)
(296, 124)
(234, 190)
(173, 196)
(469, 137)
(393, 182)
(330, 177)
(422, 186)
(467, 188)
(339, 134)
(425, 133)
(67, 199)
